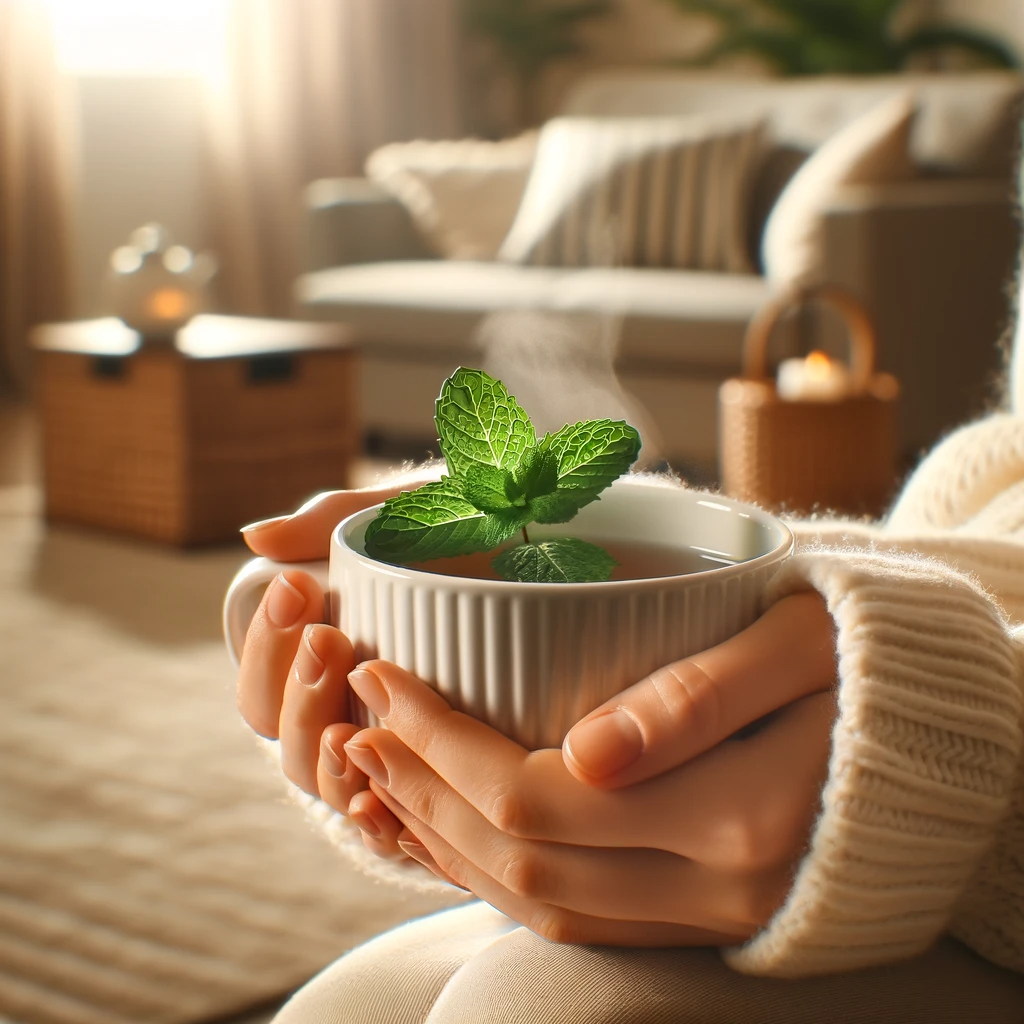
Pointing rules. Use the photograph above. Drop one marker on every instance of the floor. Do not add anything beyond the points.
(20, 469)
(20, 477)
(19, 446)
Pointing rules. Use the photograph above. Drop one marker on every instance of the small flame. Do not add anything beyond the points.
(168, 304)
(818, 365)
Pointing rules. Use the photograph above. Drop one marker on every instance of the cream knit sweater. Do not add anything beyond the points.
(921, 828)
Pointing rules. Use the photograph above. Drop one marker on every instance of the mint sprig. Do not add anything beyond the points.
(435, 521)
(480, 423)
(501, 480)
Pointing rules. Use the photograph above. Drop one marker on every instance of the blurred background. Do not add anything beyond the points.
(242, 243)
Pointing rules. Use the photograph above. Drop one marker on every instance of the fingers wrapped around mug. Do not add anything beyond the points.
(690, 706)
(701, 855)
(291, 602)
(342, 784)
(316, 695)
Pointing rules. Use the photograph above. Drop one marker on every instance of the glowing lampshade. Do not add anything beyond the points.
(156, 287)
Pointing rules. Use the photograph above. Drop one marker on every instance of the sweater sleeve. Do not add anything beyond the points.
(919, 829)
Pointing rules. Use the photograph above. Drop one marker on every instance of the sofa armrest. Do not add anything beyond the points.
(933, 262)
(354, 220)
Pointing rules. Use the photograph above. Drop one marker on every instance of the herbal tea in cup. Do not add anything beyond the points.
(614, 577)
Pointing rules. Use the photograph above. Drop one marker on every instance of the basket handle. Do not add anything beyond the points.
(858, 322)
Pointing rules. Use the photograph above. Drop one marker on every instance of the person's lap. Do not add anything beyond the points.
(473, 964)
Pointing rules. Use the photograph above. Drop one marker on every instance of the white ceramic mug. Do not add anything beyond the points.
(531, 659)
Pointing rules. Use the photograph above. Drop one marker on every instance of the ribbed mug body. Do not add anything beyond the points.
(532, 659)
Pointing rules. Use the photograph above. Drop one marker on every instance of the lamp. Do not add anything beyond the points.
(156, 287)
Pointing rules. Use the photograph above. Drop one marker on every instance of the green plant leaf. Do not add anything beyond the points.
(593, 453)
(560, 506)
(801, 37)
(562, 560)
(480, 423)
(988, 48)
(537, 473)
(435, 521)
(488, 488)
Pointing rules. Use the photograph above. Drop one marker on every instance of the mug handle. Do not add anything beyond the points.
(247, 590)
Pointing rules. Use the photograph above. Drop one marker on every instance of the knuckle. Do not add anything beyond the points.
(425, 802)
(768, 839)
(744, 845)
(555, 924)
(689, 698)
(512, 814)
(452, 865)
(525, 875)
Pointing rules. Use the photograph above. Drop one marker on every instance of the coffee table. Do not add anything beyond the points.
(183, 442)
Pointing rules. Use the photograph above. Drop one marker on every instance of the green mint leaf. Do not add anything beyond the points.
(559, 507)
(487, 487)
(435, 521)
(592, 454)
(562, 560)
(537, 473)
(479, 422)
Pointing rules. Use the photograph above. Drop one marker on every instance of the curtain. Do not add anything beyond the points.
(309, 89)
(35, 186)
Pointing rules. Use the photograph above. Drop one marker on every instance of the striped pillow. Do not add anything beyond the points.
(639, 192)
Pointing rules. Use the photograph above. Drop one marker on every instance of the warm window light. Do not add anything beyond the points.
(133, 37)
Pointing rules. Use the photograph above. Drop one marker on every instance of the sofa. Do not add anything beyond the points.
(930, 253)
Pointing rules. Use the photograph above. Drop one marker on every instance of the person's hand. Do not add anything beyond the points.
(292, 680)
(688, 707)
(698, 853)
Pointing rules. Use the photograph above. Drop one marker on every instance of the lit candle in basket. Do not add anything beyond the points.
(814, 379)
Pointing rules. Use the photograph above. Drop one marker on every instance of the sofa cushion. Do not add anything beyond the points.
(966, 124)
(462, 195)
(639, 192)
(680, 321)
(872, 150)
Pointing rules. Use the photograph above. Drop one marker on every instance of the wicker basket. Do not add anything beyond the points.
(185, 450)
(810, 455)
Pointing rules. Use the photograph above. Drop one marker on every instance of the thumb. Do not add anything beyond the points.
(686, 708)
(306, 534)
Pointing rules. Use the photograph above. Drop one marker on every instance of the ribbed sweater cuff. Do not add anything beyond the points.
(923, 760)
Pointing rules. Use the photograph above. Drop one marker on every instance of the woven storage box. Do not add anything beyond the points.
(799, 456)
(186, 450)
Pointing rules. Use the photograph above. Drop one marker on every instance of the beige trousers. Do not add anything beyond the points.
(472, 965)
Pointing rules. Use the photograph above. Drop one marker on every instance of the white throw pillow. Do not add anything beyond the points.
(462, 195)
(874, 148)
(640, 192)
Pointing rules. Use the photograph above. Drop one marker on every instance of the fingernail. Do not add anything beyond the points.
(261, 524)
(368, 761)
(309, 666)
(415, 850)
(285, 604)
(367, 824)
(370, 691)
(335, 764)
(606, 744)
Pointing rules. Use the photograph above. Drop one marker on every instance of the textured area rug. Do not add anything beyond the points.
(150, 869)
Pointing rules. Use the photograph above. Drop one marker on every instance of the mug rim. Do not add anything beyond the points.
(783, 548)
